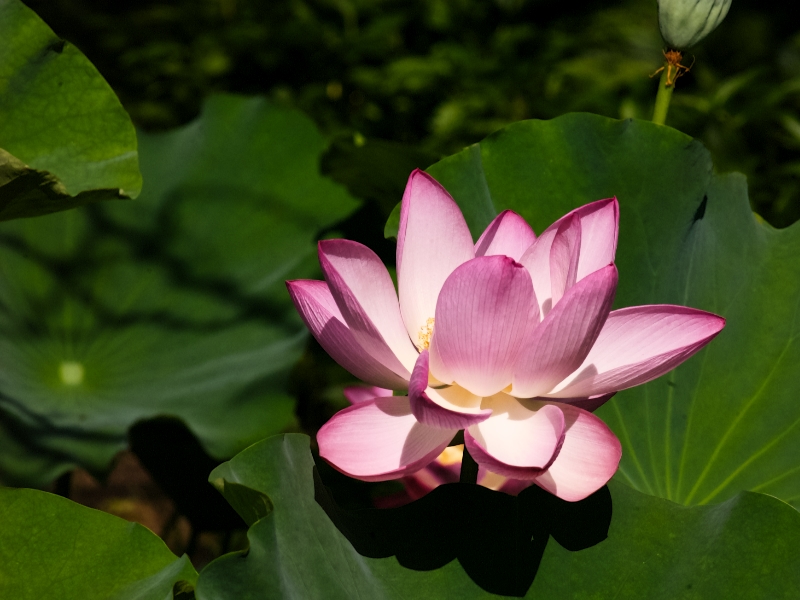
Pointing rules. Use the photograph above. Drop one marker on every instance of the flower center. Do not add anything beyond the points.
(424, 335)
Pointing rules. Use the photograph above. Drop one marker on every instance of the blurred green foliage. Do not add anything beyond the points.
(441, 74)
(170, 305)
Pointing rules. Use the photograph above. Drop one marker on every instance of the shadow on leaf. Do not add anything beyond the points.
(498, 539)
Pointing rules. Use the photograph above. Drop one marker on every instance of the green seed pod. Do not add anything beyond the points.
(683, 23)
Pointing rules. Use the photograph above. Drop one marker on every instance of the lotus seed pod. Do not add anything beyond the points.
(684, 23)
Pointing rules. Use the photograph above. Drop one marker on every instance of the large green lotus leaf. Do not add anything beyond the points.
(728, 419)
(65, 139)
(743, 548)
(170, 305)
(51, 547)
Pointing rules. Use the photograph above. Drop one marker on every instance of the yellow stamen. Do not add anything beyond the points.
(424, 335)
(451, 455)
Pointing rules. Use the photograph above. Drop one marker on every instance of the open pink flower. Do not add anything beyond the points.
(511, 339)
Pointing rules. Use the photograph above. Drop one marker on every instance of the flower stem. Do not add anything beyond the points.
(469, 468)
(663, 97)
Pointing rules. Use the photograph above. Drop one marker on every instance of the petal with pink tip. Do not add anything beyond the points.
(599, 226)
(432, 240)
(318, 309)
(638, 344)
(566, 335)
(516, 441)
(564, 255)
(452, 408)
(536, 259)
(482, 317)
(379, 440)
(508, 234)
(365, 295)
(362, 393)
(589, 457)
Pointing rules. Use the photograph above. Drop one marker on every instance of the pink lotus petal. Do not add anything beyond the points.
(589, 457)
(536, 259)
(443, 374)
(365, 294)
(318, 309)
(362, 393)
(564, 338)
(481, 320)
(599, 229)
(516, 441)
(564, 255)
(638, 344)
(436, 408)
(590, 404)
(508, 234)
(599, 226)
(432, 240)
(379, 440)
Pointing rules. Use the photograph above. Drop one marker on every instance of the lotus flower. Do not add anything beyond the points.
(511, 339)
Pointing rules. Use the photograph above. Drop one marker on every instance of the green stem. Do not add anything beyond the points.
(663, 97)
(469, 468)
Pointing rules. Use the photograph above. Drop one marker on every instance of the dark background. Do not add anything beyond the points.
(441, 74)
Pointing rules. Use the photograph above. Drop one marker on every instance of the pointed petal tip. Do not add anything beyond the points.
(295, 283)
(321, 244)
(611, 272)
(612, 200)
(714, 322)
(419, 174)
(322, 251)
(331, 245)
(432, 240)
(639, 344)
(598, 204)
(507, 234)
